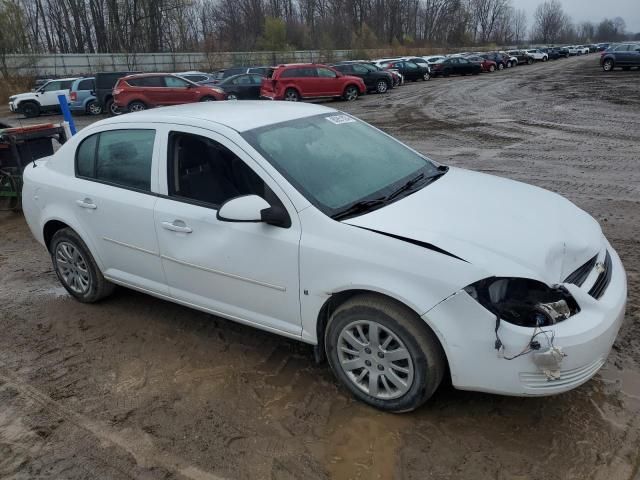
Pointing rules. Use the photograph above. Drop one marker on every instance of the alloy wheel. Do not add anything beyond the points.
(232, 96)
(381, 87)
(94, 108)
(351, 94)
(73, 268)
(375, 359)
(291, 96)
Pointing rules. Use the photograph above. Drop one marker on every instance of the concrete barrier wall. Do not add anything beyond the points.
(60, 65)
(78, 64)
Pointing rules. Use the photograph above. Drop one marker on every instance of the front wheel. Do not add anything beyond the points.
(501, 66)
(607, 66)
(544, 59)
(351, 93)
(112, 108)
(426, 77)
(383, 353)
(232, 96)
(76, 269)
(94, 108)
(30, 109)
(530, 61)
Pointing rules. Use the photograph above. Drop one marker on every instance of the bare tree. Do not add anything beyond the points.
(549, 21)
(519, 26)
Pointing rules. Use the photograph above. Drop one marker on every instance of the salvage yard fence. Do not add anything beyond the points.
(60, 65)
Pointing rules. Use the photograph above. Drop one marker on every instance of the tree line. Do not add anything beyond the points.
(115, 26)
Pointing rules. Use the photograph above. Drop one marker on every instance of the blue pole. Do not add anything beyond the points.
(66, 113)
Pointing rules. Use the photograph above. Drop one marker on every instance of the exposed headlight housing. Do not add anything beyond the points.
(524, 302)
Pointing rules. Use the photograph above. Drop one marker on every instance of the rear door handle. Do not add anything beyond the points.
(177, 226)
(86, 203)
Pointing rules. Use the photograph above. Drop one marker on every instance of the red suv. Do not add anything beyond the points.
(139, 92)
(297, 81)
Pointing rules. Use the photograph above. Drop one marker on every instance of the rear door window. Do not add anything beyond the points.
(118, 157)
(86, 84)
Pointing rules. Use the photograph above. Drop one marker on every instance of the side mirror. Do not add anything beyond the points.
(252, 208)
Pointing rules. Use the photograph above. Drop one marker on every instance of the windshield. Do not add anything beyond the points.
(337, 161)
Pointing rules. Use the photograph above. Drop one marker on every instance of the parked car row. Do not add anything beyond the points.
(118, 92)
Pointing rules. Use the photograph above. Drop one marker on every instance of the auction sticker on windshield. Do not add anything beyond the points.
(339, 119)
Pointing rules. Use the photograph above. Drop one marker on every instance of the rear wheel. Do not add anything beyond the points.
(94, 108)
(112, 108)
(383, 353)
(291, 95)
(30, 109)
(232, 96)
(382, 86)
(351, 93)
(76, 269)
(137, 106)
(501, 66)
(607, 65)
(208, 98)
(544, 59)
(426, 77)
(530, 61)
(492, 68)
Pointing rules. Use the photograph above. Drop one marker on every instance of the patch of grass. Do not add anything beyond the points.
(12, 85)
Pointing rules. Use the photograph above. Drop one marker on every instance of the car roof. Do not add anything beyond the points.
(239, 116)
(63, 79)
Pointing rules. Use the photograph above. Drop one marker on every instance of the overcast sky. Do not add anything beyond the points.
(592, 10)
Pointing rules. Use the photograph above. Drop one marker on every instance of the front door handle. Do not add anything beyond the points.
(177, 226)
(86, 203)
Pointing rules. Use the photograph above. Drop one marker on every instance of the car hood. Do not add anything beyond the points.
(504, 227)
(21, 96)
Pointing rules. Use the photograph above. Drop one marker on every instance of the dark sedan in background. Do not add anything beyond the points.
(409, 70)
(375, 80)
(455, 66)
(241, 87)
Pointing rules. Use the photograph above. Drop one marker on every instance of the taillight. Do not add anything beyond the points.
(73, 96)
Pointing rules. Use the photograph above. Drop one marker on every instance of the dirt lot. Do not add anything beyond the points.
(137, 387)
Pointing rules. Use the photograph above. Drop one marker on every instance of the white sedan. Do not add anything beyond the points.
(309, 223)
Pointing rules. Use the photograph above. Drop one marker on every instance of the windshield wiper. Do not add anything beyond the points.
(406, 187)
(360, 207)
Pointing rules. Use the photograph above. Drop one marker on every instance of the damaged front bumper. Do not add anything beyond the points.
(581, 343)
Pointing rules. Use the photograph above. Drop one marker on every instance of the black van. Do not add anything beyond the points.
(104, 85)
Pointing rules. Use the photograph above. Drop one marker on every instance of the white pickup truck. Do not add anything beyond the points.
(538, 55)
(44, 99)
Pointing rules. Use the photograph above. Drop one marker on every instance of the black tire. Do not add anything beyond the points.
(208, 98)
(428, 359)
(608, 65)
(94, 108)
(426, 77)
(530, 61)
(382, 86)
(30, 109)
(351, 93)
(98, 287)
(501, 66)
(136, 106)
(544, 59)
(291, 95)
(111, 108)
(492, 68)
(446, 73)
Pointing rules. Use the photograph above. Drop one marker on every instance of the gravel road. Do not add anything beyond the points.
(136, 387)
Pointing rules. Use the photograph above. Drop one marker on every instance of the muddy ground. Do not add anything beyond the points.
(136, 387)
